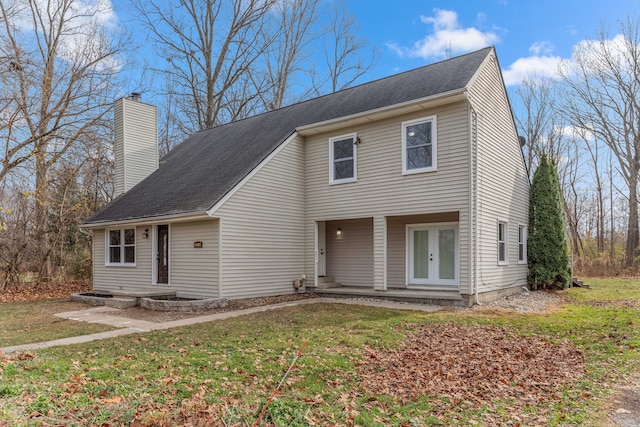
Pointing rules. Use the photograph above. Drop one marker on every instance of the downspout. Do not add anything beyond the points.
(473, 149)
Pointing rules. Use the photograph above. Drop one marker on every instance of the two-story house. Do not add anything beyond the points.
(410, 187)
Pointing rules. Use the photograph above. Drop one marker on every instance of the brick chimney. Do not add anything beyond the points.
(136, 143)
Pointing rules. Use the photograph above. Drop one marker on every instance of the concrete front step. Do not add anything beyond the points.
(327, 282)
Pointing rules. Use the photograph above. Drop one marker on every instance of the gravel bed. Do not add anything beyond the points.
(525, 302)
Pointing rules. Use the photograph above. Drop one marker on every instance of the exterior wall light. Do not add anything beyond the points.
(339, 232)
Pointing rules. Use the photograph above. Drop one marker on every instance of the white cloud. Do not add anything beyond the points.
(542, 63)
(540, 66)
(448, 37)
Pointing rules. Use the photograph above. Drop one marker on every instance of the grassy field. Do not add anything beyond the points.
(223, 373)
(34, 321)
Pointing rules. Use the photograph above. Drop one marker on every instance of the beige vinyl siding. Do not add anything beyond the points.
(262, 228)
(503, 187)
(122, 278)
(136, 142)
(193, 272)
(350, 257)
(382, 191)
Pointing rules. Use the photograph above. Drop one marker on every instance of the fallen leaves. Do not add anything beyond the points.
(474, 365)
(32, 291)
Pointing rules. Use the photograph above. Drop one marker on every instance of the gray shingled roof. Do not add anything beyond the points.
(196, 174)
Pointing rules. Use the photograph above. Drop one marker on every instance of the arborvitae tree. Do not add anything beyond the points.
(547, 249)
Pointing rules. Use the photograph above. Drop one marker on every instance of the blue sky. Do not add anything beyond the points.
(528, 34)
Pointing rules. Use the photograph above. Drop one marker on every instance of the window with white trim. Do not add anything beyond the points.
(419, 145)
(503, 243)
(343, 157)
(522, 244)
(121, 246)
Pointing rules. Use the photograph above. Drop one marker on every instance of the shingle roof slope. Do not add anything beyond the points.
(201, 170)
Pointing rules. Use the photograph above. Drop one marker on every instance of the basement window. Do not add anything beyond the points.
(121, 247)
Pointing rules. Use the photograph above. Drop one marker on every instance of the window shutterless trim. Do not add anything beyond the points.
(332, 160)
(122, 245)
(504, 242)
(434, 145)
(522, 243)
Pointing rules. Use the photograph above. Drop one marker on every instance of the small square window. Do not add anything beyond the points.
(343, 155)
(121, 248)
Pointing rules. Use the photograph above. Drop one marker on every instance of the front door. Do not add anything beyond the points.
(321, 250)
(432, 255)
(163, 254)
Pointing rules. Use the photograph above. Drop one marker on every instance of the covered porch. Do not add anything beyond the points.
(405, 258)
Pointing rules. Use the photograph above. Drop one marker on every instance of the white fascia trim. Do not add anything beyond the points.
(250, 175)
(418, 101)
(191, 216)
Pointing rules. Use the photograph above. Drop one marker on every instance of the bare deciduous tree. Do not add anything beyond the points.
(209, 48)
(602, 82)
(60, 72)
(292, 32)
(343, 54)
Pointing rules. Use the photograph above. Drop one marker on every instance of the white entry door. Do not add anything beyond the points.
(433, 255)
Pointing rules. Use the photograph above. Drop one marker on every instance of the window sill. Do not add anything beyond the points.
(129, 265)
(343, 181)
(502, 263)
(415, 171)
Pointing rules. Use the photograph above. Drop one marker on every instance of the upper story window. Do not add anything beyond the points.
(419, 145)
(121, 248)
(503, 243)
(343, 157)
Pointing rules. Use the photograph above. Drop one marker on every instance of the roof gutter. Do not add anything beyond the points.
(414, 102)
(189, 216)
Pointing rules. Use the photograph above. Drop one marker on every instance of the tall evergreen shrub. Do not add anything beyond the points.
(547, 249)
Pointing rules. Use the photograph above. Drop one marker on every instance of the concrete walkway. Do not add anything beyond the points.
(133, 326)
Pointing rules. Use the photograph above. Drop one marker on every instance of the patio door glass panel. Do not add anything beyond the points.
(421, 254)
(447, 254)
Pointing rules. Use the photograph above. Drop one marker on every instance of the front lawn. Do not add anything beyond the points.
(361, 366)
(34, 321)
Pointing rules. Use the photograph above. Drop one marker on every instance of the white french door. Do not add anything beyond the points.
(433, 254)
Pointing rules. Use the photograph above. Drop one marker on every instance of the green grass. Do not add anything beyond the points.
(30, 322)
(608, 289)
(222, 373)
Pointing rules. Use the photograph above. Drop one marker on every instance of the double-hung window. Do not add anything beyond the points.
(343, 157)
(121, 246)
(503, 243)
(419, 145)
(522, 244)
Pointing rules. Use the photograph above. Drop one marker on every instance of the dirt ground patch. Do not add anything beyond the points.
(497, 365)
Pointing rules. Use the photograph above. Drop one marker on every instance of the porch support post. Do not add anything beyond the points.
(380, 253)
